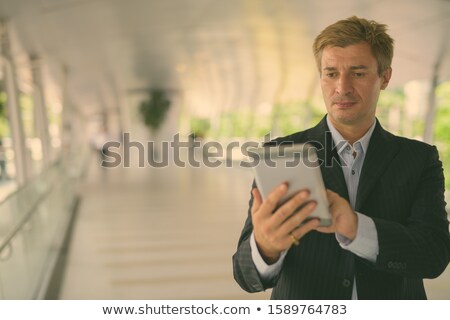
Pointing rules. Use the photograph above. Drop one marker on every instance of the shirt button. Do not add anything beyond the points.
(346, 283)
(353, 172)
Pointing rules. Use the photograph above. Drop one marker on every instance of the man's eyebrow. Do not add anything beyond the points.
(361, 66)
(329, 68)
(358, 67)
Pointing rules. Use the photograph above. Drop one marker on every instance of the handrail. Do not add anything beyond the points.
(37, 177)
(27, 216)
(29, 256)
(25, 219)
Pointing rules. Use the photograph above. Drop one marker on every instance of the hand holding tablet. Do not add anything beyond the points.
(297, 166)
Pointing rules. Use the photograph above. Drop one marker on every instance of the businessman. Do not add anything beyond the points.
(386, 193)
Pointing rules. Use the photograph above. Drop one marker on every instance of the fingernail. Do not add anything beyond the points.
(304, 194)
(312, 204)
(284, 186)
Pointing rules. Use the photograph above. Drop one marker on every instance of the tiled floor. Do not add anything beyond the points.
(164, 234)
(158, 234)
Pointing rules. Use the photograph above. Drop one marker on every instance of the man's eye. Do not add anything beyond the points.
(359, 74)
(330, 74)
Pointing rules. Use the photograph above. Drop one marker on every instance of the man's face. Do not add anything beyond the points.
(351, 84)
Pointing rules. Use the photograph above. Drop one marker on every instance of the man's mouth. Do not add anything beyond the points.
(344, 104)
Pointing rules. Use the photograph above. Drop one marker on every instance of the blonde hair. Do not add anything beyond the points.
(355, 30)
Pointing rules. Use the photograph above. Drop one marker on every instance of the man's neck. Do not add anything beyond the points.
(352, 133)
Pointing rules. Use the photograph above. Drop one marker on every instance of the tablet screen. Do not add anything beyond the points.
(294, 164)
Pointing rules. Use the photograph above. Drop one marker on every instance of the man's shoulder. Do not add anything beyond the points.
(409, 144)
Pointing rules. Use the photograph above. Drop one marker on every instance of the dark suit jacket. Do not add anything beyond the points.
(402, 189)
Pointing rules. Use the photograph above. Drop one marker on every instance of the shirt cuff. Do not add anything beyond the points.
(365, 245)
(266, 272)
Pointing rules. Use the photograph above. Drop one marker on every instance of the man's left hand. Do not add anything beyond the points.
(345, 220)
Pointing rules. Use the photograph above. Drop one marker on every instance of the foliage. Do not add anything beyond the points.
(27, 113)
(154, 109)
(298, 115)
(200, 127)
(2, 104)
(442, 128)
(26, 106)
(234, 123)
(4, 127)
(389, 100)
(289, 117)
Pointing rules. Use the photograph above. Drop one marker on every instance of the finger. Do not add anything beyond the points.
(257, 200)
(333, 198)
(296, 219)
(300, 232)
(272, 200)
(331, 194)
(288, 208)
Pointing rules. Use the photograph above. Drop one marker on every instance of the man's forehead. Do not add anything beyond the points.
(354, 56)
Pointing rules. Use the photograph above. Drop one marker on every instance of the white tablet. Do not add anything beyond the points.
(295, 164)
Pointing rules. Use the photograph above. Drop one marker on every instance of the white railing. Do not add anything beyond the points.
(33, 222)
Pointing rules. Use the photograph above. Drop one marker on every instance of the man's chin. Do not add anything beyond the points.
(344, 118)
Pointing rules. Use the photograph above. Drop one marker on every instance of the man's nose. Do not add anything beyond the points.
(344, 85)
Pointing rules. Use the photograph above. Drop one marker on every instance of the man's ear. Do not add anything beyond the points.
(385, 77)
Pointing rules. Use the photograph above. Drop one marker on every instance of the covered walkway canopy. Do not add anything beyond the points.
(213, 55)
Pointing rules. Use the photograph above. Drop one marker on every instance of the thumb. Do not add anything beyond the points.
(257, 200)
(329, 229)
(331, 194)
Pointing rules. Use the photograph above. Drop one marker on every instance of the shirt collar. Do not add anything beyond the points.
(337, 138)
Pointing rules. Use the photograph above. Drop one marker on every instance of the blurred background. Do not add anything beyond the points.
(75, 74)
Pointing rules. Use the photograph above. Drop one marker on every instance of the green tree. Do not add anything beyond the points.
(388, 101)
(200, 127)
(154, 109)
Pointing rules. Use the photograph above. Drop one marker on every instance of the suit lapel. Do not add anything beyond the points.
(333, 177)
(382, 149)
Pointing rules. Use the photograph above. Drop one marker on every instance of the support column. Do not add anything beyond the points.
(40, 110)
(66, 117)
(14, 113)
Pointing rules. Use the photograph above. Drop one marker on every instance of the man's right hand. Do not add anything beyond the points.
(274, 229)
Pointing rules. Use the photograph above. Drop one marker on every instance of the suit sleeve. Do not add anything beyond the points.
(420, 247)
(244, 269)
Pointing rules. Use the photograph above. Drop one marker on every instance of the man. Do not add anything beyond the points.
(386, 193)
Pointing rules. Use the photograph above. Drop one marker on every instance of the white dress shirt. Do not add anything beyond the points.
(365, 244)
